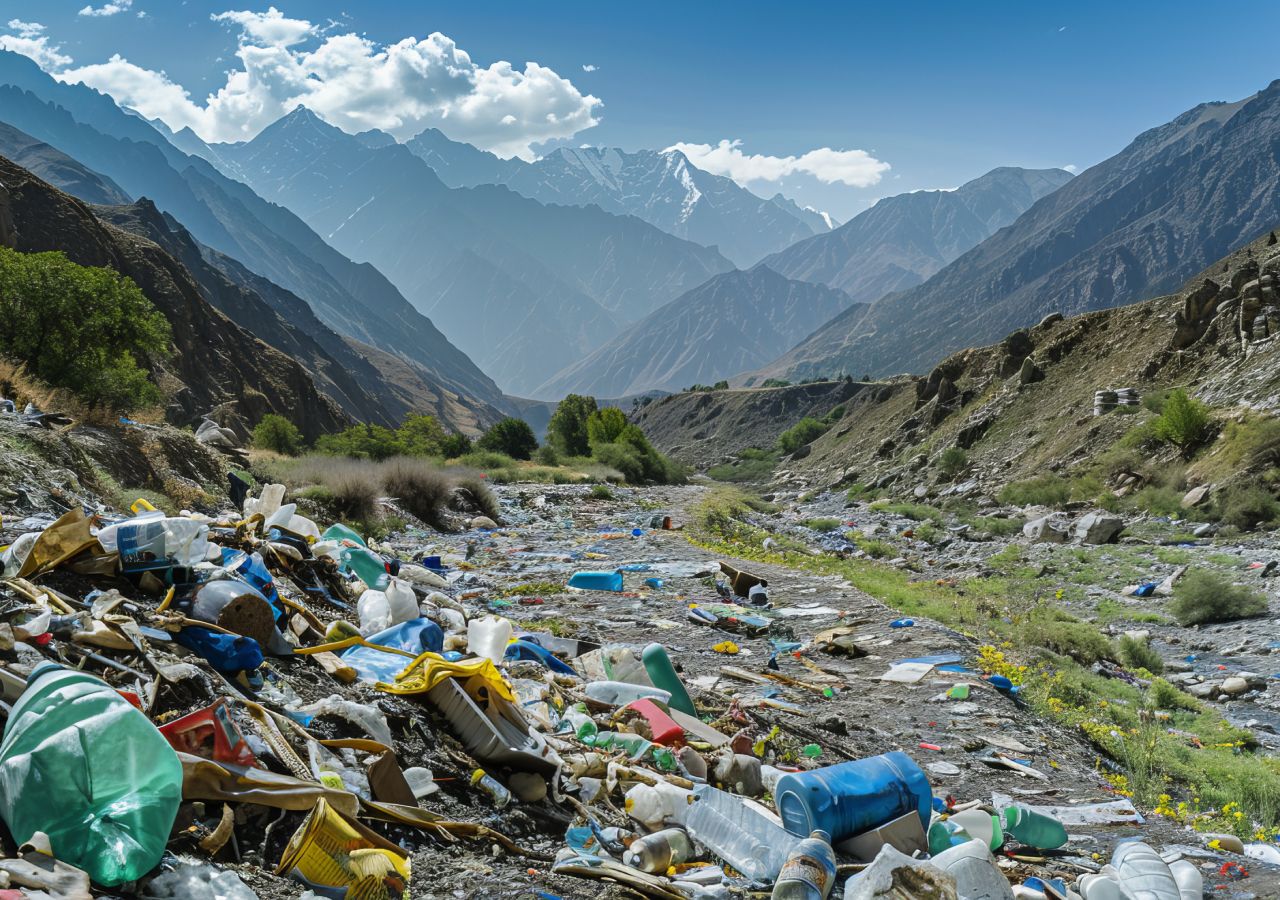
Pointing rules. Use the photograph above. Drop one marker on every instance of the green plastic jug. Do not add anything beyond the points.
(81, 764)
(663, 674)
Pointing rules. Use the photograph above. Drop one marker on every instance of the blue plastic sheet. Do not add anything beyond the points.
(416, 637)
(225, 652)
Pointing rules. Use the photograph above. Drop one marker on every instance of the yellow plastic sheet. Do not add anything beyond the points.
(64, 539)
(430, 669)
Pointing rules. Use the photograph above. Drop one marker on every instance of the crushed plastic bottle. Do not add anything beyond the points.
(496, 790)
(200, 882)
(731, 828)
(657, 852)
(81, 764)
(809, 872)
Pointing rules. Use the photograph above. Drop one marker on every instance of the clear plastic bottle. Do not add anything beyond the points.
(81, 764)
(576, 720)
(657, 852)
(620, 693)
(809, 872)
(739, 834)
(496, 790)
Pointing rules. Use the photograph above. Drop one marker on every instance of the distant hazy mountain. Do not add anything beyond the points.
(60, 170)
(521, 286)
(662, 188)
(904, 239)
(1137, 225)
(725, 326)
(353, 299)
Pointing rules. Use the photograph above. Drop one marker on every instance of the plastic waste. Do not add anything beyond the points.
(657, 852)
(239, 607)
(596, 581)
(343, 535)
(1033, 828)
(367, 718)
(654, 804)
(379, 610)
(155, 541)
(663, 675)
(739, 833)
(491, 787)
(337, 856)
(974, 869)
(739, 772)
(531, 652)
(1136, 872)
(267, 502)
(809, 872)
(488, 637)
(81, 764)
(576, 720)
(227, 653)
(620, 693)
(692, 763)
(849, 798)
(945, 834)
(202, 882)
(635, 745)
(981, 826)
(368, 566)
(414, 637)
(660, 727)
(894, 874)
(421, 781)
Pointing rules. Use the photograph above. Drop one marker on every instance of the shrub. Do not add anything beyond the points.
(547, 455)
(418, 487)
(637, 460)
(821, 524)
(455, 444)
(485, 460)
(605, 426)
(1164, 695)
(479, 495)
(511, 436)
(1247, 506)
(1065, 634)
(567, 430)
(1043, 490)
(277, 433)
(600, 492)
(421, 436)
(88, 330)
(952, 462)
(1139, 654)
(353, 496)
(1204, 596)
(366, 441)
(803, 432)
(775, 383)
(752, 464)
(1184, 422)
(1159, 501)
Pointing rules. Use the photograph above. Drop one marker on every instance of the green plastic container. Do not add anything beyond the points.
(1034, 829)
(663, 675)
(339, 532)
(81, 764)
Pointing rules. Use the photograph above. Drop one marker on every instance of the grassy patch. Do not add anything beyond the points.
(821, 524)
(1203, 596)
(600, 492)
(752, 465)
(532, 589)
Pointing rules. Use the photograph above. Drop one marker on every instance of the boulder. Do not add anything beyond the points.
(1045, 530)
(484, 522)
(1097, 527)
(1196, 495)
(1030, 372)
(1234, 686)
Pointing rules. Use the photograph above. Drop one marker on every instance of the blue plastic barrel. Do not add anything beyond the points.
(847, 799)
(596, 581)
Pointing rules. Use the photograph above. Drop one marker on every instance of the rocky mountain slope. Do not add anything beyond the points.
(716, 330)
(521, 286)
(1023, 407)
(904, 239)
(355, 300)
(1136, 225)
(661, 187)
(218, 365)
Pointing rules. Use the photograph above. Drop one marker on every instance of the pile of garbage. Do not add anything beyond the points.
(192, 699)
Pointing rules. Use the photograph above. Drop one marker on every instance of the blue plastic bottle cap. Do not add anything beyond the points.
(636, 532)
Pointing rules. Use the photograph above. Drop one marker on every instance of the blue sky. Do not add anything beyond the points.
(940, 92)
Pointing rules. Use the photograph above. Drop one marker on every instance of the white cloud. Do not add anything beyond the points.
(588, 67)
(350, 80)
(107, 9)
(1072, 168)
(30, 40)
(857, 168)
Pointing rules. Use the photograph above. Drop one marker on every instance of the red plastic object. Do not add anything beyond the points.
(924, 746)
(132, 697)
(210, 733)
(662, 727)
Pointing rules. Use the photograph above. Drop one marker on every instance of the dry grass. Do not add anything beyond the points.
(418, 487)
(20, 387)
(478, 495)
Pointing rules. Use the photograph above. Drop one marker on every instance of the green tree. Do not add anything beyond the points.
(567, 430)
(511, 436)
(275, 432)
(421, 435)
(803, 432)
(363, 442)
(88, 330)
(605, 425)
(1183, 422)
(455, 444)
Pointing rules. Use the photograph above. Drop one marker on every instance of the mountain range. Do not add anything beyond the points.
(523, 287)
(661, 187)
(904, 239)
(1134, 226)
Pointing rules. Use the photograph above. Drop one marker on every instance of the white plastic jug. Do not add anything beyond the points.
(488, 637)
(975, 872)
(267, 503)
(652, 805)
(402, 600)
(375, 612)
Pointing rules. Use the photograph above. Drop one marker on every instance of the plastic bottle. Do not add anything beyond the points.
(692, 762)
(497, 792)
(620, 693)
(635, 745)
(653, 804)
(657, 852)
(853, 797)
(663, 675)
(582, 725)
(374, 611)
(343, 535)
(739, 833)
(1034, 829)
(488, 637)
(809, 872)
(945, 834)
(368, 566)
(975, 872)
(81, 764)
(155, 541)
(981, 826)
